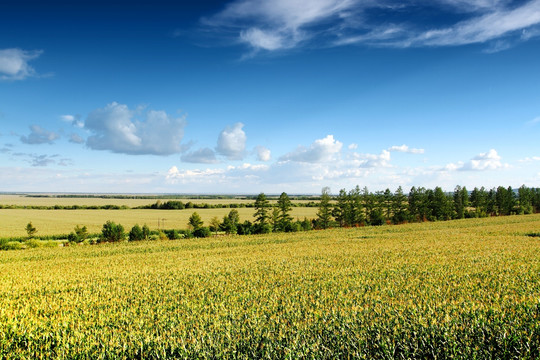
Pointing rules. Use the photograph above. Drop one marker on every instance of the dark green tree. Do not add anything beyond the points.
(30, 230)
(461, 201)
(261, 209)
(285, 206)
(136, 233)
(399, 207)
(341, 210)
(112, 232)
(324, 214)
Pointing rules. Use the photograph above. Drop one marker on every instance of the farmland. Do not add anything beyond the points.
(52, 222)
(462, 289)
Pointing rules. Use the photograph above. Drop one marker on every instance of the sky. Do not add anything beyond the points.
(250, 96)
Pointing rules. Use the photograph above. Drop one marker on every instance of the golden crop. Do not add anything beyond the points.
(462, 289)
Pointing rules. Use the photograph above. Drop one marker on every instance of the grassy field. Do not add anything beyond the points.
(461, 289)
(52, 222)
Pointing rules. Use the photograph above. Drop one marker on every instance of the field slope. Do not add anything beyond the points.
(461, 289)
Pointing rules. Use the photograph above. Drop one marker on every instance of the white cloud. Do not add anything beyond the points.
(352, 146)
(381, 160)
(232, 142)
(116, 128)
(493, 25)
(274, 25)
(530, 159)
(406, 149)
(201, 156)
(14, 64)
(38, 135)
(321, 150)
(482, 162)
(263, 154)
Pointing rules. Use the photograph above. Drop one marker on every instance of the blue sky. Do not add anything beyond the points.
(249, 95)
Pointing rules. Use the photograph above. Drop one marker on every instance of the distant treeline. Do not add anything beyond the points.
(179, 205)
(66, 207)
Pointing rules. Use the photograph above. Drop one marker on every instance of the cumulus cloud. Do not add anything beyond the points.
(118, 129)
(14, 64)
(482, 162)
(381, 160)
(274, 25)
(263, 154)
(201, 156)
(38, 135)
(321, 150)
(232, 142)
(405, 149)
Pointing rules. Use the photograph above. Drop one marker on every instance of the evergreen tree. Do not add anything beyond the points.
(400, 211)
(261, 209)
(341, 209)
(284, 205)
(324, 214)
(30, 230)
(195, 222)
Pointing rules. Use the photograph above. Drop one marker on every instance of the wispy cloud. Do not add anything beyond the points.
(277, 25)
(14, 63)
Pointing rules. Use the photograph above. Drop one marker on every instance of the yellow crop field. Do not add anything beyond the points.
(21, 200)
(52, 222)
(467, 289)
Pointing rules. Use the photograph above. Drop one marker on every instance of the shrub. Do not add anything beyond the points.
(112, 232)
(202, 232)
(136, 233)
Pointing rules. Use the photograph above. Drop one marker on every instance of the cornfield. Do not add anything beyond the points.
(462, 289)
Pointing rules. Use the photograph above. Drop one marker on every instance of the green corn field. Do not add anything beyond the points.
(466, 289)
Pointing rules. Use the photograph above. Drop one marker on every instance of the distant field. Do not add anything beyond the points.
(51, 222)
(21, 200)
(467, 289)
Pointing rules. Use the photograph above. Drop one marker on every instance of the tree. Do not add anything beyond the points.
(274, 218)
(30, 230)
(284, 205)
(78, 234)
(341, 211)
(112, 232)
(261, 210)
(399, 207)
(230, 222)
(136, 233)
(146, 231)
(461, 201)
(525, 199)
(215, 224)
(324, 214)
(195, 222)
